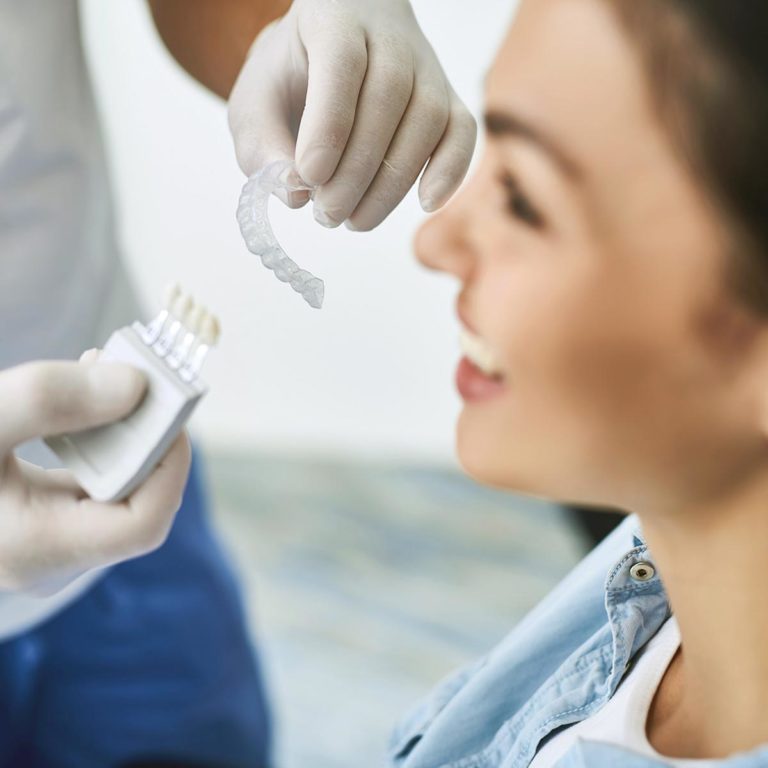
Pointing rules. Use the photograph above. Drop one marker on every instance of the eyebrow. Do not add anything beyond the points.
(502, 125)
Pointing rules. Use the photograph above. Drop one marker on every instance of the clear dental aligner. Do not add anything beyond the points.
(181, 334)
(259, 237)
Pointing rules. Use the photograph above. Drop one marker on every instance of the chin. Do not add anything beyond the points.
(479, 454)
(485, 463)
(486, 471)
(491, 460)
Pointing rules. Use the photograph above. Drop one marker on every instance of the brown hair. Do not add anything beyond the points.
(707, 65)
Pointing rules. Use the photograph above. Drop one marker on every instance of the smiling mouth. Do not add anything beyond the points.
(480, 354)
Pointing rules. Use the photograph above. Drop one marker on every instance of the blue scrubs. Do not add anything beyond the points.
(151, 666)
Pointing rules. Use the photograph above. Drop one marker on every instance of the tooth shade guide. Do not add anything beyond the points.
(182, 334)
(208, 337)
(209, 330)
(191, 369)
(181, 350)
(181, 308)
(111, 461)
(152, 332)
(167, 339)
(195, 318)
(172, 292)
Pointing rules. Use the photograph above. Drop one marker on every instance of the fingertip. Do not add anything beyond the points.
(293, 199)
(354, 224)
(159, 497)
(90, 355)
(317, 165)
(298, 199)
(450, 163)
(322, 218)
(180, 450)
(369, 214)
(429, 204)
(435, 191)
(116, 384)
(173, 468)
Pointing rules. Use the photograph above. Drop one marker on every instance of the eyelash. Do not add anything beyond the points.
(518, 204)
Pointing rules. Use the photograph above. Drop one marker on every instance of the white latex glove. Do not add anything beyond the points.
(378, 107)
(50, 531)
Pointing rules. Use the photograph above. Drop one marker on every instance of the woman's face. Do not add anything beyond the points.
(591, 269)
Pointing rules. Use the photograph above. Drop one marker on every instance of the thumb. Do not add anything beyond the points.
(49, 398)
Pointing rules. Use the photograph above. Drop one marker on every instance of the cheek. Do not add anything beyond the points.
(568, 371)
(578, 345)
(605, 382)
(589, 357)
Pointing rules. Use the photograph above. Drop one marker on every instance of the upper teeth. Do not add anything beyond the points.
(479, 353)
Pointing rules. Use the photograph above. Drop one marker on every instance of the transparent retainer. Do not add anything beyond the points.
(259, 237)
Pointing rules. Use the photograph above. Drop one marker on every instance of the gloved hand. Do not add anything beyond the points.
(378, 107)
(50, 531)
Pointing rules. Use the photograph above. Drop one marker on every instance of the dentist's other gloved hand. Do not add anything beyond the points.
(50, 531)
(378, 107)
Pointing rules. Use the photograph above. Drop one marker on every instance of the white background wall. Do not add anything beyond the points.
(372, 372)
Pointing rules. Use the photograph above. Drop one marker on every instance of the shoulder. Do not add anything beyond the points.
(501, 683)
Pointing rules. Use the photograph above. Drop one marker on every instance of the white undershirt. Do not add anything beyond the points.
(623, 719)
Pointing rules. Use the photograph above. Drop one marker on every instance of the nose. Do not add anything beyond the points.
(441, 242)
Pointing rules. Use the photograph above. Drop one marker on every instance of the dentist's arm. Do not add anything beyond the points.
(210, 38)
(349, 89)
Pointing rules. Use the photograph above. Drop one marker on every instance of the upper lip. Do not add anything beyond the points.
(461, 312)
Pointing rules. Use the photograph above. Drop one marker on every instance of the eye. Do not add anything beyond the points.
(517, 202)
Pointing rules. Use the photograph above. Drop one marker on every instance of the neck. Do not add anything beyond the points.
(713, 561)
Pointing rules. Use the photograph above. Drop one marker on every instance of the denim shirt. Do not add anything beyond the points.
(560, 665)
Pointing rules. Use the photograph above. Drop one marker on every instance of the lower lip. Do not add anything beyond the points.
(474, 385)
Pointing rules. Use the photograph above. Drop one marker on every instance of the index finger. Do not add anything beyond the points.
(338, 60)
(110, 533)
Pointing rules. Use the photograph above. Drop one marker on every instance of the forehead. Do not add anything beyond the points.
(567, 66)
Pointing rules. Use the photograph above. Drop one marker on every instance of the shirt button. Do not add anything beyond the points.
(642, 571)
